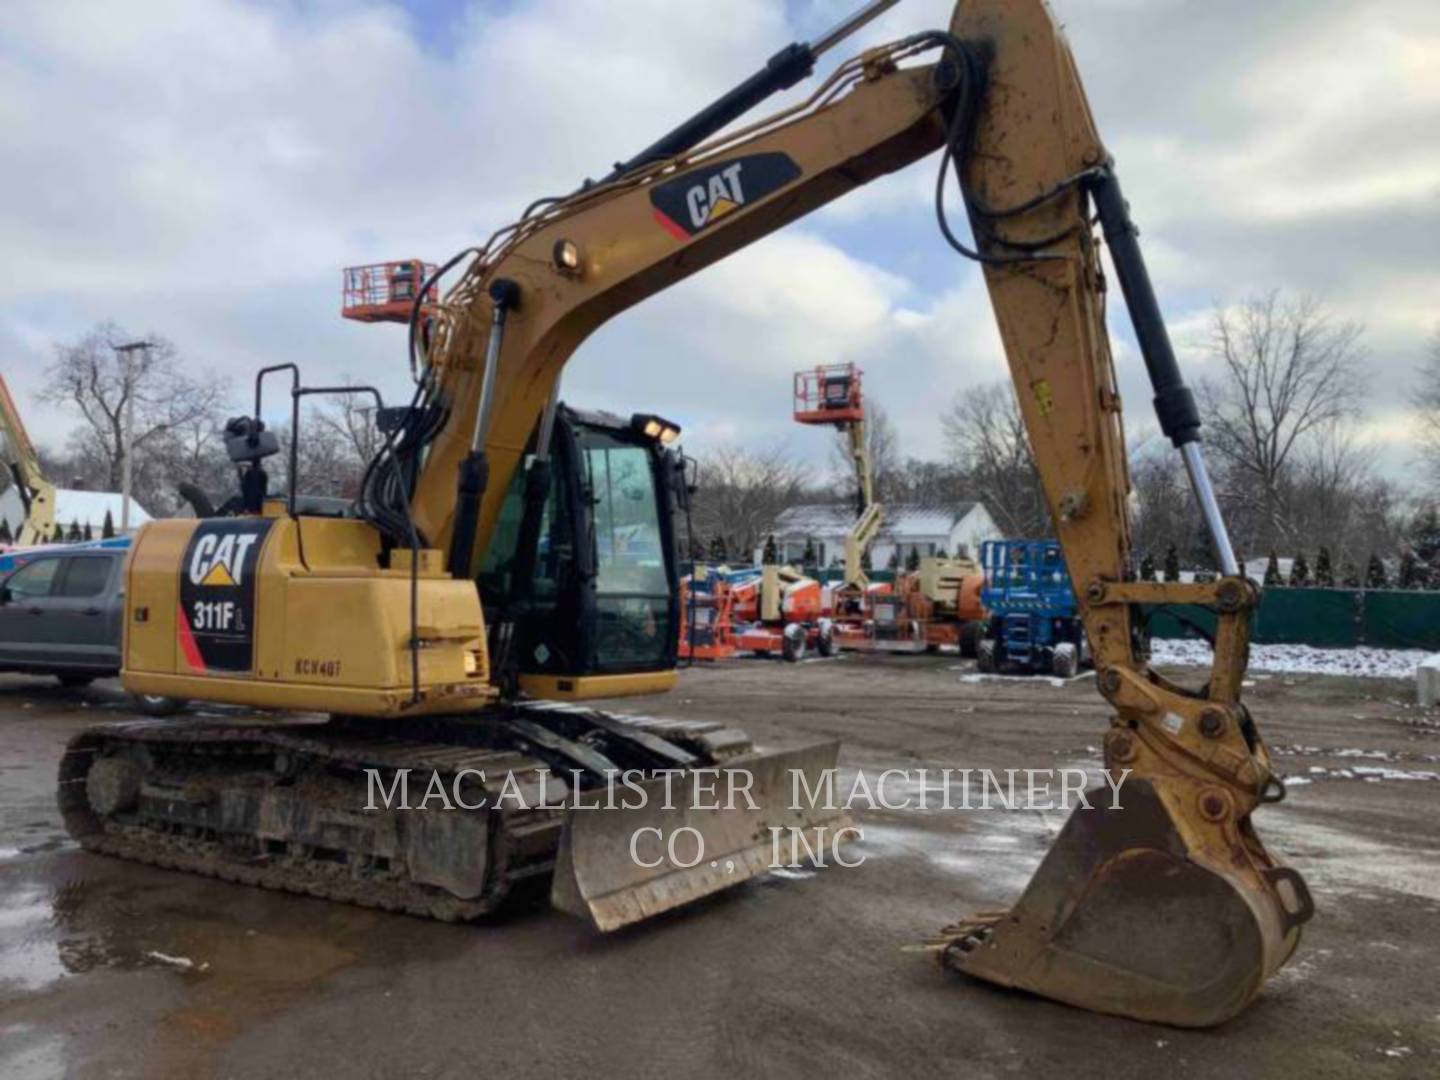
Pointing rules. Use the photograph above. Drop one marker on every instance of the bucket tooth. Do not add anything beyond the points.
(1124, 917)
(600, 871)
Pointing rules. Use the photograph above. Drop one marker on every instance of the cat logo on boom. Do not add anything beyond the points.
(690, 203)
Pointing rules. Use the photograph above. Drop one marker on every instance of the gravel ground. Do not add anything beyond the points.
(116, 970)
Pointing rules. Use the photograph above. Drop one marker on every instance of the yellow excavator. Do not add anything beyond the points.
(1170, 909)
(37, 495)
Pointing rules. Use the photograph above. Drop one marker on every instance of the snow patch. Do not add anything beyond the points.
(1371, 773)
(1362, 662)
(1050, 680)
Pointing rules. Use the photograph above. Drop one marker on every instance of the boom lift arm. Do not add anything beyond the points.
(1171, 909)
(871, 514)
(36, 493)
(832, 395)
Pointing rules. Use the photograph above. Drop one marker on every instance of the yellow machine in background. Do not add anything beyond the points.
(37, 494)
(1170, 909)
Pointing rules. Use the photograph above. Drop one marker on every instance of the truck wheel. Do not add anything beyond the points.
(825, 644)
(985, 655)
(75, 682)
(1065, 660)
(158, 704)
(792, 645)
(970, 633)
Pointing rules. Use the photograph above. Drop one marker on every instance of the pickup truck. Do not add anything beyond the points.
(61, 611)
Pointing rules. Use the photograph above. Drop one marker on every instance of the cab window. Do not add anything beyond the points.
(84, 577)
(629, 556)
(33, 580)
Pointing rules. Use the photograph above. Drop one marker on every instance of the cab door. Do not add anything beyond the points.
(84, 611)
(28, 629)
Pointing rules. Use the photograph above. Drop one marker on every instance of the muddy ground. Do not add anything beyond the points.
(794, 975)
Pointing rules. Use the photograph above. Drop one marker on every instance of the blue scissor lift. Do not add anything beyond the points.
(1034, 623)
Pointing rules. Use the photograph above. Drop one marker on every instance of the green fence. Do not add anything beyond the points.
(1329, 618)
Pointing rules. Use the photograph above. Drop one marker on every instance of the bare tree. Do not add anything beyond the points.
(352, 418)
(1426, 400)
(1290, 379)
(930, 484)
(742, 494)
(1164, 509)
(89, 376)
(986, 438)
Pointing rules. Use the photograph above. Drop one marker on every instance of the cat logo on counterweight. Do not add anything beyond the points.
(216, 621)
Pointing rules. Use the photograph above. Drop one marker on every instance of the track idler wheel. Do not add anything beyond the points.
(1124, 916)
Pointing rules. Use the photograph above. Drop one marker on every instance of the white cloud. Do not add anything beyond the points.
(204, 168)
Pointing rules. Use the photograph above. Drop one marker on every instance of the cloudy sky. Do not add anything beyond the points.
(204, 168)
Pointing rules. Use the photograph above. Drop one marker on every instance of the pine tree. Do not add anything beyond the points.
(1272, 571)
(1172, 564)
(1424, 535)
(5, 536)
(1324, 571)
(1299, 572)
(770, 556)
(1409, 571)
(89, 532)
(717, 547)
(1375, 574)
(1350, 574)
(107, 530)
(74, 536)
(1147, 568)
(809, 557)
(942, 554)
(912, 561)
(893, 563)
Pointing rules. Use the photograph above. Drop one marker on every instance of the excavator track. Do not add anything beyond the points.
(281, 804)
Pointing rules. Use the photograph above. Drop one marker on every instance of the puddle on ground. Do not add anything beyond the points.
(1343, 862)
(1002, 855)
(26, 1052)
(232, 977)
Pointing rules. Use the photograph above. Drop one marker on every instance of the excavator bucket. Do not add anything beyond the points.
(697, 832)
(1124, 917)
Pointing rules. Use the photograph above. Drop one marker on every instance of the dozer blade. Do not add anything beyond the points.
(615, 864)
(1122, 917)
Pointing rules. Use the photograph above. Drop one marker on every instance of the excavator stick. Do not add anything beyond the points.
(669, 840)
(1167, 907)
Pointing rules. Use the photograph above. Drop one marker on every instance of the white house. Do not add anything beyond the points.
(958, 529)
(75, 508)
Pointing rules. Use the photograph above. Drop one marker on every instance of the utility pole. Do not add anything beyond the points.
(128, 437)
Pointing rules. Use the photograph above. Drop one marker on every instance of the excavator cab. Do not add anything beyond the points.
(601, 604)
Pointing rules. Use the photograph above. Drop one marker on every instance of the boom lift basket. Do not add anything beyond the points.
(829, 394)
(385, 292)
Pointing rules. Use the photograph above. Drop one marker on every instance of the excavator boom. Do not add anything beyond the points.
(1175, 911)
